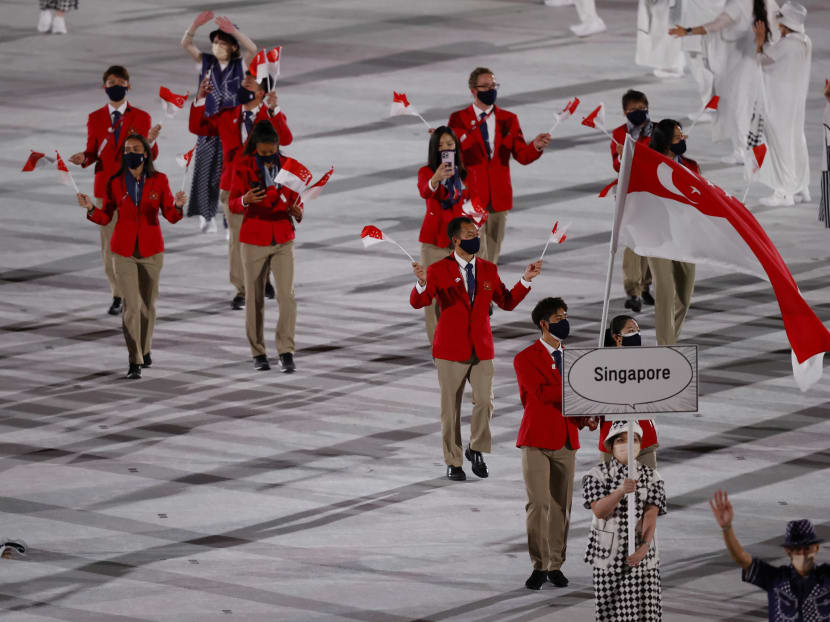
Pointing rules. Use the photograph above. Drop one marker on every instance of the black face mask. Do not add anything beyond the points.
(133, 160)
(678, 148)
(632, 340)
(470, 246)
(270, 159)
(116, 93)
(637, 117)
(488, 98)
(244, 96)
(560, 330)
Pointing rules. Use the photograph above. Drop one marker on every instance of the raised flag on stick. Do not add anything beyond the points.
(371, 235)
(401, 107)
(316, 188)
(712, 105)
(596, 120)
(64, 175)
(471, 208)
(752, 165)
(266, 64)
(37, 160)
(293, 176)
(183, 160)
(557, 236)
(566, 112)
(172, 102)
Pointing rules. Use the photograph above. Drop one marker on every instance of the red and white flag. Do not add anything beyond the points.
(665, 210)
(473, 209)
(37, 160)
(63, 173)
(566, 112)
(713, 103)
(293, 176)
(371, 235)
(557, 236)
(596, 118)
(183, 159)
(754, 160)
(316, 188)
(266, 64)
(401, 106)
(172, 102)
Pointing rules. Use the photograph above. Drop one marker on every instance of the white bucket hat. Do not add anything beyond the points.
(793, 15)
(617, 428)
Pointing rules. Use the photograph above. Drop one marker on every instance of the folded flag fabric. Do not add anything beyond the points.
(401, 106)
(316, 188)
(266, 64)
(294, 176)
(172, 102)
(372, 235)
(37, 160)
(596, 118)
(568, 110)
(183, 159)
(713, 103)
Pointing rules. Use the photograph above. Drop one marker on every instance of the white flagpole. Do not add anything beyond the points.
(696, 119)
(555, 125)
(544, 250)
(632, 496)
(184, 177)
(400, 247)
(429, 127)
(746, 192)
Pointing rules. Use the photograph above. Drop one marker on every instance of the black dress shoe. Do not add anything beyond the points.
(287, 363)
(116, 307)
(557, 578)
(479, 466)
(148, 360)
(634, 304)
(238, 302)
(134, 373)
(269, 290)
(536, 580)
(456, 474)
(261, 363)
(647, 297)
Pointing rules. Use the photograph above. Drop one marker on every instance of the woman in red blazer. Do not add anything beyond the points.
(136, 193)
(442, 185)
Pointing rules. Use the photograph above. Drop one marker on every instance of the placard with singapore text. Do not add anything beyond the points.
(621, 382)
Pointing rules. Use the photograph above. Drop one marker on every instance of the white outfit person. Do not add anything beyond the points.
(696, 49)
(656, 48)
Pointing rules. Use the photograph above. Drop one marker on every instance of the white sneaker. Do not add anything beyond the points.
(559, 2)
(802, 197)
(777, 199)
(227, 234)
(736, 157)
(668, 74)
(44, 22)
(211, 227)
(58, 26)
(204, 223)
(586, 29)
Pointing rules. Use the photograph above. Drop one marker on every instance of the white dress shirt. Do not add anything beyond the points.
(122, 109)
(491, 124)
(462, 267)
(551, 350)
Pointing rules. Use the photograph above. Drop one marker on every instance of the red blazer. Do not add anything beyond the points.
(226, 124)
(489, 180)
(462, 330)
(140, 222)
(690, 164)
(649, 434)
(619, 135)
(99, 134)
(540, 389)
(436, 219)
(268, 221)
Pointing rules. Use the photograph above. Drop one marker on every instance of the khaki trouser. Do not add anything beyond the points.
(429, 255)
(674, 282)
(138, 282)
(636, 273)
(493, 235)
(255, 263)
(452, 377)
(647, 456)
(106, 253)
(549, 481)
(237, 274)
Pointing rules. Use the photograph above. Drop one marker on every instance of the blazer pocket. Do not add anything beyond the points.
(605, 542)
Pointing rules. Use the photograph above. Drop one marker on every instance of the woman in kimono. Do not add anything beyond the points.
(226, 66)
(731, 53)
(626, 587)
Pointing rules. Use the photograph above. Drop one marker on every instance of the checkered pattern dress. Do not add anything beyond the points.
(623, 593)
(58, 5)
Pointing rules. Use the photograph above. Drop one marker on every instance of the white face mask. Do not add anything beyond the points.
(221, 52)
(620, 450)
(803, 562)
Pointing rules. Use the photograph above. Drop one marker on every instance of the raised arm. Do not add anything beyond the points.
(187, 40)
(724, 514)
(246, 44)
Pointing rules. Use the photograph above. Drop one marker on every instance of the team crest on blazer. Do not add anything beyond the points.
(486, 286)
(154, 196)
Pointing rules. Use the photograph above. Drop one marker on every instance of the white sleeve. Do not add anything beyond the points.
(525, 283)
(724, 20)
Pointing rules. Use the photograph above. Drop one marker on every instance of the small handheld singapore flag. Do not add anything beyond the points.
(372, 235)
(293, 176)
(184, 159)
(557, 236)
(172, 102)
(316, 188)
(401, 107)
(37, 160)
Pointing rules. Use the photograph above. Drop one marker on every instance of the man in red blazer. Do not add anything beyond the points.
(107, 129)
(464, 286)
(548, 442)
(232, 126)
(488, 136)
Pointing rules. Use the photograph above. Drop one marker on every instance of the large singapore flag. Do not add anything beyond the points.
(665, 210)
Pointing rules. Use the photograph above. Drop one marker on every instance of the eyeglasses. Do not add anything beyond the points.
(487, 87)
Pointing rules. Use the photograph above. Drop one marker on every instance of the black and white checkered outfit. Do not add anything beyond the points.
(58, 5)
(756, 127)
(623, 593)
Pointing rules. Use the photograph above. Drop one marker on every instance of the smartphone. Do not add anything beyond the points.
(448, 157)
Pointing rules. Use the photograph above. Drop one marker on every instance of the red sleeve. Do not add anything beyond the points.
(103, 215)
(533, 382)
(91, 151)
(523, 152)
(419, 301)
(168, 202)
(280, 123)
(509, 299)
(239, 186)
(424, 175)
(200, 124)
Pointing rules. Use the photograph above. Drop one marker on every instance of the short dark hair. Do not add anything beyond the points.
(632, 97)
(662, 135)
(545, 308)
(455, 226)
(227, 38)
(474, 76)
(434, 152)
(118, 71)
(262, 132)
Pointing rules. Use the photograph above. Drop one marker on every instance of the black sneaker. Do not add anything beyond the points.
(287, 363)
(134, 373)
(148, 360)
(634, 304)
(238, 302)
(647, 297)
(116, 307)
(557, 578)
(269, 290)
(261, 363)
(456, 474)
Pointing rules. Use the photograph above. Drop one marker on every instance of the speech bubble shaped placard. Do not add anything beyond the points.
(631, 380)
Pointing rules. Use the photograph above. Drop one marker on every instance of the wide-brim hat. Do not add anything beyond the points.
(227, 35)
(800, 533)
(617, 428)
(793, 15)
